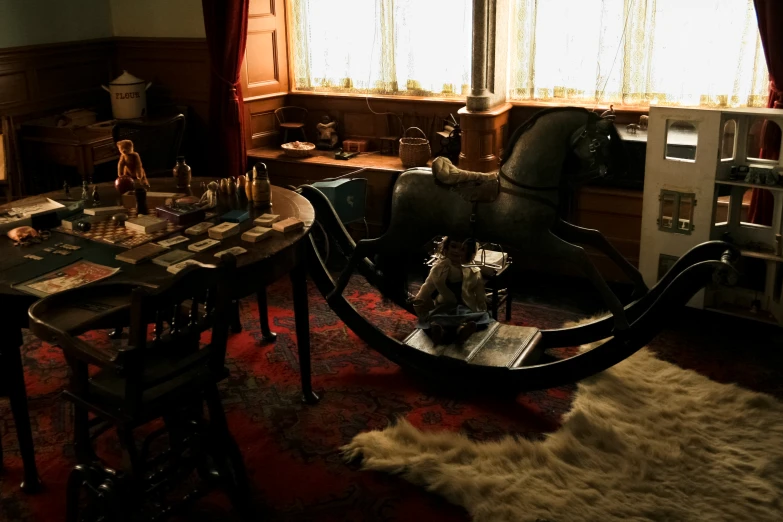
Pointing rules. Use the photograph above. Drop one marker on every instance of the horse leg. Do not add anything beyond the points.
(591, 237)
(557, 247)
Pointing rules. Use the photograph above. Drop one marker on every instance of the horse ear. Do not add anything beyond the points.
(605, 125)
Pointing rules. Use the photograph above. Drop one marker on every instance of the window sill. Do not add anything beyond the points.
(384, 97)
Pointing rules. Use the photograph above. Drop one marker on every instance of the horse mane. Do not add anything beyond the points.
(529, 125)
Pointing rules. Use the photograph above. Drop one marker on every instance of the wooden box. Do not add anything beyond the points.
(356, 145)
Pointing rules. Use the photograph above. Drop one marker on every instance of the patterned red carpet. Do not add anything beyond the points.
(291, 449)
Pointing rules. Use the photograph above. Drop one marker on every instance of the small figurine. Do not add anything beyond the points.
(67, 190)
(96, 198)
(130, 163)
(461, 303)
(85, 191)
(327, 134)
(210, 198)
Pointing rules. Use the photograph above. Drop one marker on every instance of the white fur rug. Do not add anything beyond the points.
(644, 441)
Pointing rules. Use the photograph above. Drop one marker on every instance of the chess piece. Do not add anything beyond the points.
(67, 190)
(85, 191)
(262, 191)
(120, 218)
(96, 198)
(83, 226)
(130, 163)
(141, 201)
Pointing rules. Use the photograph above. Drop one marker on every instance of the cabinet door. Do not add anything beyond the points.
(265, 69)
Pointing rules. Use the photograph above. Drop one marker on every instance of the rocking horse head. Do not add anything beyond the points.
(578, 143)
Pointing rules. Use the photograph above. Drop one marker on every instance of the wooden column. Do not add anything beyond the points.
(483, 137)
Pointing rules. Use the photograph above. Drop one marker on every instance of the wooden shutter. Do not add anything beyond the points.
(265, 69)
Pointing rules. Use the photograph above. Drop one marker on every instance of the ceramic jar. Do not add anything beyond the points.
(182, 173)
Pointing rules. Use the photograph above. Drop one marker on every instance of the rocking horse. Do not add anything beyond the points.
(553, 152)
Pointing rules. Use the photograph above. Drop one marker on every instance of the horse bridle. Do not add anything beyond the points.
(597, 164)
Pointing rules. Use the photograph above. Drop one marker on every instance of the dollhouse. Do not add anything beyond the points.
(702, 168)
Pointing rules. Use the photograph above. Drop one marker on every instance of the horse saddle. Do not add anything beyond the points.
(474, 187)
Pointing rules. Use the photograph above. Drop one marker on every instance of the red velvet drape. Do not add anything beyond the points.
(770, 17)
(225, 22)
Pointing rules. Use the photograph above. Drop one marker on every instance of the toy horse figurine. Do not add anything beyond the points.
(555, 150)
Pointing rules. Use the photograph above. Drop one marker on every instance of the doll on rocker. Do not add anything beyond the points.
(461, 302)
(130, 163)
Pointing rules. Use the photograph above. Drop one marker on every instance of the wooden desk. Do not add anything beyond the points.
(263, 263)
(381, 174)
(80, 147)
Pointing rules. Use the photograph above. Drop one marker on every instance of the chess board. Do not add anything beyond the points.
(109, 232)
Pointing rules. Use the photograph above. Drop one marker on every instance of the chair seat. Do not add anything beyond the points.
(180, 377)
(292, 125)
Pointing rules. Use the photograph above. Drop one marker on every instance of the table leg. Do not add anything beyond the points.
(263, 317)
(11, 361)
(302, 318)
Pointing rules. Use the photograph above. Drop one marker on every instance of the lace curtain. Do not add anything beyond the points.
(402, 47)
(673, 52)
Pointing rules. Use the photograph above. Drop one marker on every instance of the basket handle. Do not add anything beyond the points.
(418, 129)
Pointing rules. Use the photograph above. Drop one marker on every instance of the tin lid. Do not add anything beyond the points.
(126, 78)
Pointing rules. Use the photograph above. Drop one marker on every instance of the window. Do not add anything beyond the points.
(638, 52)
(676, 212)
(404, 47)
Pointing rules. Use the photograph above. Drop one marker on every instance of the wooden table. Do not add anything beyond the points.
(263, 263)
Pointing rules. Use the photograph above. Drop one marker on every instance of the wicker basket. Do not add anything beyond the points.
(414, 152)
(305, 149)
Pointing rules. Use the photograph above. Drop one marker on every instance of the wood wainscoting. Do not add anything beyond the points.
(40, 78)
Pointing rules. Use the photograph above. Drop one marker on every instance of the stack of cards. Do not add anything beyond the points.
(266, 220)
(224, 230)
(140, 253)
(235, 216)
(288, 225)
(145, 224)
(256, 234)
(233, 250)
(173, 257)
(201, 228)
(203, 245)
(173, 241)
(176, 268)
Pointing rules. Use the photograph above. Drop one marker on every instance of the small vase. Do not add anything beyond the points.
(182, 173)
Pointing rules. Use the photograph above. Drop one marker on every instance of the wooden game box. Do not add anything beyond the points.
(154, 199)
(184, 217)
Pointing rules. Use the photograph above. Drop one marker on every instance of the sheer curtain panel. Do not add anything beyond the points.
(638, 52)
(397, 47)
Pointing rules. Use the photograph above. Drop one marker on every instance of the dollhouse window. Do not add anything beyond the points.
(728, 144)
(676, 212)
(681, 140)
(756, 135)
(722, 205)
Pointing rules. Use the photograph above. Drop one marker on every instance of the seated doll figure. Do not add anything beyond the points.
(461, 302)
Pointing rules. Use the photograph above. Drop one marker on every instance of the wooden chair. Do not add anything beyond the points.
(291, 118)
(167, 375)
(157, 142)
